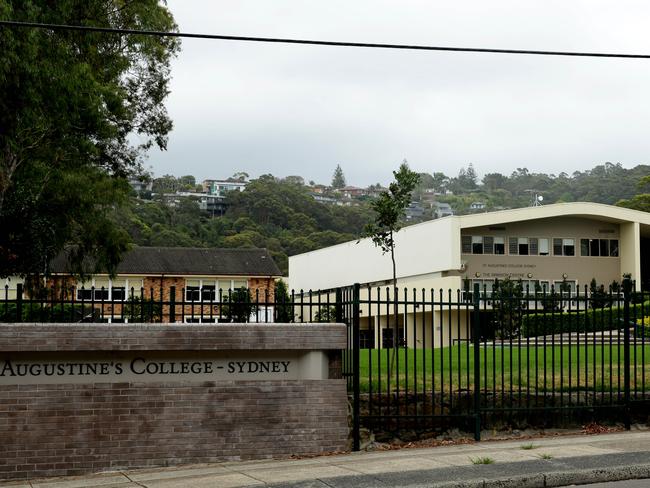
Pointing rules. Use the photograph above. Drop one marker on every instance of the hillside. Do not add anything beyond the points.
(283, 216)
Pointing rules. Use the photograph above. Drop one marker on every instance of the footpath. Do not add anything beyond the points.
(530, 463)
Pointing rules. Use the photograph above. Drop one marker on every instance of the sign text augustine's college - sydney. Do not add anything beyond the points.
(142, 368)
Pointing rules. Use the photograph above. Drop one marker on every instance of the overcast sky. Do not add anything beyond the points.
(282, 109)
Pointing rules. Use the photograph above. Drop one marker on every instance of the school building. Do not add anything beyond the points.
(570, 243)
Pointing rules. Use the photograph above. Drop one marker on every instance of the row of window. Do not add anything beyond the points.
(99, 289)
(211, 290)
(117, 290)
(532, 286)
(538, 246)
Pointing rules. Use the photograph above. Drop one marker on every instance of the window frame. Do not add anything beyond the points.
(502, 244)
(215, 290)
(602, 244)
(563, 246)
(95, 292)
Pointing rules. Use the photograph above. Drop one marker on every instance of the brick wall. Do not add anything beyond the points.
(159, 288)
(65, 429)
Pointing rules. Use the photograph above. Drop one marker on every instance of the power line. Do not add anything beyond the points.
(412, 47)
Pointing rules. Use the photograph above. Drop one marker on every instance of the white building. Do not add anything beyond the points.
(569, 243)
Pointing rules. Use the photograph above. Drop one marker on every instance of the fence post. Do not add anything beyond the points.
(19, 302)
(339, 305)
(476, 341)
(172, 304)
(627, 296)
(356, 407)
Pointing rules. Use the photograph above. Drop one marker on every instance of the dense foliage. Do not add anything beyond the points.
(277, 214)
(70, 105)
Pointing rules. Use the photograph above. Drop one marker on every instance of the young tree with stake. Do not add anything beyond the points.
(390, 209)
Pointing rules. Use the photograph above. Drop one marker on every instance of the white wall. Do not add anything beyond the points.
(425, 248)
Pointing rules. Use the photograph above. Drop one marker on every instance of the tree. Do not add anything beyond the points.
(71, 106)
(507, 308)
(238, 306)
(187, 182)
(389, 210)
(338, 180)
(294, 180)
(283, 305)
(640, 201)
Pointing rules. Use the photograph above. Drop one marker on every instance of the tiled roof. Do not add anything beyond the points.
(189, 261)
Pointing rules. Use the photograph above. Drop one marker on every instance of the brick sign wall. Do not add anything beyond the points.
(83, 398)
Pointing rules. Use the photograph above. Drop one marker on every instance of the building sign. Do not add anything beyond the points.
(151, 368)
(505, 270)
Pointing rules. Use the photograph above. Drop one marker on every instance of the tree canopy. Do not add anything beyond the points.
(389, 210)
(70, 103)
(338, 180)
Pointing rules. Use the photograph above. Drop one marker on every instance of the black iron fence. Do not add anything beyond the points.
(166, 305)
(421, 359)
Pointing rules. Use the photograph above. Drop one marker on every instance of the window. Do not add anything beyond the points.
(10, 288)
(99, 289)
(466, 244)
(513, 246)
(484, 286)
(119, 293)
(488, 245)
(499, 245)
(533, 243)
(604, 247)
(543, 247)
(566, 288)
(209, 293)
(482, 245)
(237, 284)
(568, 247)
(564, 247)
(477, 245)
(193, 290)
(599, 247)
(200, 290)
(366, 339)
(522, 246)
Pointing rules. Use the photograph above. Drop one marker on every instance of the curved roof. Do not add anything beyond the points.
(596, 211)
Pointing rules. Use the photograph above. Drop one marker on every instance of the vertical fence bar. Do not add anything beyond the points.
(477, 368)
(172, 304)
(356, 421)
(19, 302)
(627, 288)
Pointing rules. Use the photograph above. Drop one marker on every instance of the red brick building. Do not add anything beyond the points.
(200, 278)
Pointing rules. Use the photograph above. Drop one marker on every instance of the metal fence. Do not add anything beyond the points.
(165, 305)
(421, 359)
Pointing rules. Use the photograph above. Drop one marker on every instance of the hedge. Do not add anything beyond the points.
(585, 321)
(57, 313)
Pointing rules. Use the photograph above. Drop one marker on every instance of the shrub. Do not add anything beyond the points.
(66, 312)
(584, 321)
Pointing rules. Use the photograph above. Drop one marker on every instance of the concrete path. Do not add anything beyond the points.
(544, 462)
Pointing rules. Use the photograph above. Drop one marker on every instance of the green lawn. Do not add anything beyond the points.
(568, 368)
